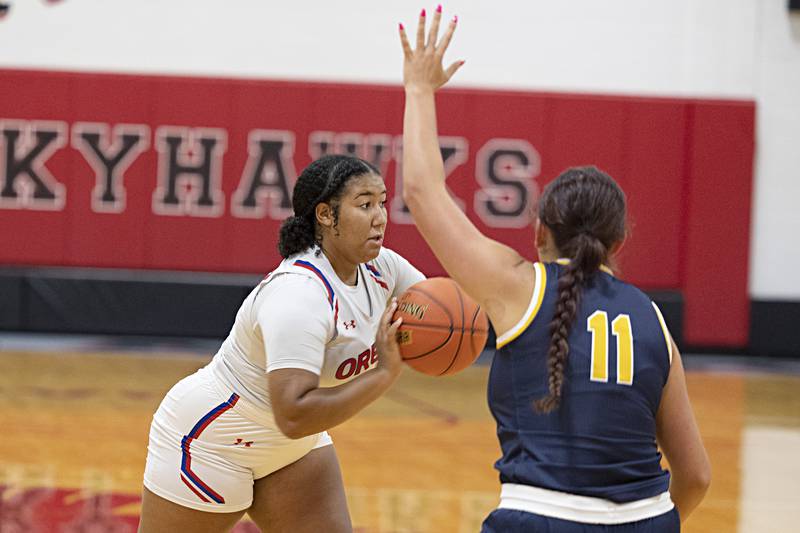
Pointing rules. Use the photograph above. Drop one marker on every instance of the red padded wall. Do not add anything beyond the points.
(686, 166)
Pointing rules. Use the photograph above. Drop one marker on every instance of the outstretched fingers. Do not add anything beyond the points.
(433, 33)
(453, 68)
(421, 31)
(424, 62)
(448, 36)
(404, 43)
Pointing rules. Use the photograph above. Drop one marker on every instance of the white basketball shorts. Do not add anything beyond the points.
(205, 452)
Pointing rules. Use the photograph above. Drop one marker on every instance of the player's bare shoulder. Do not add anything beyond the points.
(511, 300)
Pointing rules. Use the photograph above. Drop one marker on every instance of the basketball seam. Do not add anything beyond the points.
(472, 327)
(447, 312)
(461, 337)
(420, 325)
(450, 328)
(449, 336)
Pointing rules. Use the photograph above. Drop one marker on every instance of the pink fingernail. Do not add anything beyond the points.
(455, 19)
(439, 8)
(422, 13)
(401, 26)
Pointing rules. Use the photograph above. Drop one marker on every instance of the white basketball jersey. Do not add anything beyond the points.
(303, 316)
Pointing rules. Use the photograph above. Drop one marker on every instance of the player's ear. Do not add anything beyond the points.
(541, 234)
(324, 214)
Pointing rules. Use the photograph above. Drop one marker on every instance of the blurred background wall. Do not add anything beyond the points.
(692, 105)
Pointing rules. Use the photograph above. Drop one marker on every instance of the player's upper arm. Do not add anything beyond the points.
(676, 428)
(665, 330)
(296, 322)
(487, 270)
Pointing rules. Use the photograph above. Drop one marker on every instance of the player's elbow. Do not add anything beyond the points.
(701, 473)
(701, 477)
(291, 428)
(411, 192)
(291, 424)
(697, 479)
(295, 432)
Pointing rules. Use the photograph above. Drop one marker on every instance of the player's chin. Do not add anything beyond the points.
(371, 249)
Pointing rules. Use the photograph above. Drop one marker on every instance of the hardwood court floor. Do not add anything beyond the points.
(74, 436)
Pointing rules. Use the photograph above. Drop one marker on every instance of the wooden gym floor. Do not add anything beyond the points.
(74, 417)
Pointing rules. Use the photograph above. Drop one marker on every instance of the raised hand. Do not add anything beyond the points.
(423, 66)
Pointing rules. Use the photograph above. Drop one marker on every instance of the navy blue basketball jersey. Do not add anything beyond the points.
(601, 440)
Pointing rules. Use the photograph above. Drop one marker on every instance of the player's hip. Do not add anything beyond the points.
(204, 453)
(202, 414)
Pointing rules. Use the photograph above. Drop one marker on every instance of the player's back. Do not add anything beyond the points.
(600, 441)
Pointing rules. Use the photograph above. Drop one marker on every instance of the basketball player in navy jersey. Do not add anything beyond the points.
(586, 384)
(311, 346)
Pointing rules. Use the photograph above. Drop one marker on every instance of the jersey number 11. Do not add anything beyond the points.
(597, 325)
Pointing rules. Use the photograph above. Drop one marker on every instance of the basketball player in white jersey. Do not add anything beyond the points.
(311, 346)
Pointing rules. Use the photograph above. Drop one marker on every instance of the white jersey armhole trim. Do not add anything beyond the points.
(533, 308)
(667, 336)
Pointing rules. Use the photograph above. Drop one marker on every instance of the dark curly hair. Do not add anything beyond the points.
(584, 209)
(323, 180)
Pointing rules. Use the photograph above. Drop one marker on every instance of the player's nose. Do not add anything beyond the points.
(380, 218)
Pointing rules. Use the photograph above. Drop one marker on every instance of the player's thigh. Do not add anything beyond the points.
(159, 515)
(305, 496)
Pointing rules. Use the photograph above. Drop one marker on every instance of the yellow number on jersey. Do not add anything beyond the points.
(597, 325)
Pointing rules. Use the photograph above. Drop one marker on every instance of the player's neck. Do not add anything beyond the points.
(347, 271)
(548, 254)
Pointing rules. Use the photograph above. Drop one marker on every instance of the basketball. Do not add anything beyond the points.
(443, 329)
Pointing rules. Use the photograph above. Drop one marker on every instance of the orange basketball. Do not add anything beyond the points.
(443, 329)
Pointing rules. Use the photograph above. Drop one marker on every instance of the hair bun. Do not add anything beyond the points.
(296, 222)
(296, 235)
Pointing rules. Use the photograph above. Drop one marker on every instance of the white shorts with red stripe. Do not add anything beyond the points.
(205, 450)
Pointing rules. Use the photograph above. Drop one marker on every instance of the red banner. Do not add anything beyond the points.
(158, 172)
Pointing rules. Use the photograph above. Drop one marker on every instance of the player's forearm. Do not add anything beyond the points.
(423, 168)
(321, 409)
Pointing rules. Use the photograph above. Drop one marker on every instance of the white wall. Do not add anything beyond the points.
(775, 248)
(718, 48)
(636, 46)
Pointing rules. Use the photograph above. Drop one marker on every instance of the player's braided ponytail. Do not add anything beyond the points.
(322, 181)
(584, 209)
